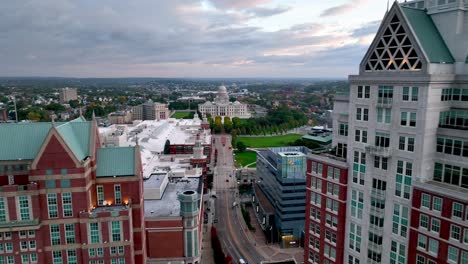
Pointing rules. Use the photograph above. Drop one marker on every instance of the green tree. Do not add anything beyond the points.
(236, 122)
(74, 103)
(227, 124)
(34, 116)
(56, 107)
(218, 125)
(241, 147)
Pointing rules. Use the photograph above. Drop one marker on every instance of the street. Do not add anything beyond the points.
(230, 229)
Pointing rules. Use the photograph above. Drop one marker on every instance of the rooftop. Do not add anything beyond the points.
(169, 205)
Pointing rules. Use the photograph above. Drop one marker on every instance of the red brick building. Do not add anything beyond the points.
(65, 199)
(327, 184)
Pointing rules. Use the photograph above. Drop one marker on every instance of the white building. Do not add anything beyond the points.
(403, 128)
(222, 107)
(66, 94)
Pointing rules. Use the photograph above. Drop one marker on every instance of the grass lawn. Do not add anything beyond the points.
(265, 142)
(183, 115)
(245, 158)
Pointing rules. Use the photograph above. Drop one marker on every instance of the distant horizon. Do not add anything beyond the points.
(186, 78)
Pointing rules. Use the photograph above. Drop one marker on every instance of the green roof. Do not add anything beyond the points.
(22, 140)
(115, 161)
(77, 134)
(428, 35)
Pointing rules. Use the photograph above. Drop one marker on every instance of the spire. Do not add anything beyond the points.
(93, 117)
(81, 112)
(136, 140)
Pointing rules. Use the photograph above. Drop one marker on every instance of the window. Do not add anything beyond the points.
(67, 204)
(422, 242)
(397, 253)
(360, 135)
(382, 139)
(456, 119)
(117, 194)
(330, 252)
(357, 204)
(437, 204)
(33, 258)
(420, 259)
(24, 208)
(457, 209)
(362, 114)
(3, 210)
(410, 94)
(465, 236)
(24, 245)
(115, 231)
(100, 195)
(455, 232)
(355, 237)
(341, 150)
(426, 201)
(94, 233)
(433, 246)
(24, 259)
(359, 167)
(452, 146)
(408, 119)
(424, 221)
(385, 94)
(453, 254)
(57, 257)
(403, 179)
(380, 162)
(435, 225)
(330, 237)
(54, 235)
(343, 131)
(406, 143)
(52, 205)
(400, 220)
(70, 233)
(353, 260)
(32, 244)
(455, 94)
(384, 115)
(450, 174)
(71, 256)
(363, 92)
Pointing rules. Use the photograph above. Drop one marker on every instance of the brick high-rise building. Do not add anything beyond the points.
(403, 128)
(66, 199)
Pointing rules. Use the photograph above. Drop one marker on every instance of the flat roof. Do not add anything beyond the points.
(168, 205)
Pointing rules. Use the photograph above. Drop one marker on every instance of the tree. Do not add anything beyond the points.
(236, 122)
(167, 146)
(74, 103)
(34, 116)
(227, 124)
(218, 126)
(241, 147)
(56, 107)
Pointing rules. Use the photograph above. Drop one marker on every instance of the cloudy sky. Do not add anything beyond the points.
(186, 38)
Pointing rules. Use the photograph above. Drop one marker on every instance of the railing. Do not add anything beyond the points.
(342, 97)
(374, 247)
(379, 212)
(376, 229)
(379, 151)
(379, 194)
(19, 223)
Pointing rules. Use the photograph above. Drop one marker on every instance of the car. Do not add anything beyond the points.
(242, 261)
(227, 180)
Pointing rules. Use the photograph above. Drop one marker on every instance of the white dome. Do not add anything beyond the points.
(222, 88)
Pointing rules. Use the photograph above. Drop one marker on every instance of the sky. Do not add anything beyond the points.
(186, 38)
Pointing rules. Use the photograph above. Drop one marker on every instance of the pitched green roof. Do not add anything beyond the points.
(22, 140)
(115, 161)
(428, 35)
(77, 134)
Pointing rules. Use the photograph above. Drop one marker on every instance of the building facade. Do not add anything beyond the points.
(120, 117)
(66, 199)
(325, 221)
(66, 94)
(151, 111)
(403, 128)
(222, 107)
(281, 175)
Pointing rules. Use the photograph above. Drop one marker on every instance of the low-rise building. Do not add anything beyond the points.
(120, 117)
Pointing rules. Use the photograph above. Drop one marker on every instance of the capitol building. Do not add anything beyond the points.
(222, 107)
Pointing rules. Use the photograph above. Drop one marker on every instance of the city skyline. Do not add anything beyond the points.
(187, 38)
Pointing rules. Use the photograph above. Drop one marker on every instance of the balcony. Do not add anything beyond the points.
(375, 247)
(379, 212)
(384, 102)
(379, 194)
(19, 223)
(379, 151)
(376, 229)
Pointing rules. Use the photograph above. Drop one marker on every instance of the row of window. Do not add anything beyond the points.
(457, 119)
(24, 212)
(332, 189)
(99, 252)
(52, 205)
(16, 167)
(452, 146)
(407, 119)
(409, 93)
(451, 174)
(117, 195)
(25, 259)
(332, 172)
(21, 234)
(451, 94)
(115, 232)
(25, 245)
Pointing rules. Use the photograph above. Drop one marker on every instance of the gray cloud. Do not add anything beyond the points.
(342, 9)
(367, 29)
(266, 12)
(238, 4)
(148, 37)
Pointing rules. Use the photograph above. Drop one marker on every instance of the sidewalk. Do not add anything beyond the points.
(207, 250)
(272, 252)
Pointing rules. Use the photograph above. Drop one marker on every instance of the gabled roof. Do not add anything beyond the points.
(22, 140)
(115, 161)
(428, 35)
(77, 135)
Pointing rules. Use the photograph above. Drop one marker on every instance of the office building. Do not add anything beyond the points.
(403, 131)
(151, 111)
(279, 198)
(66, 94)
